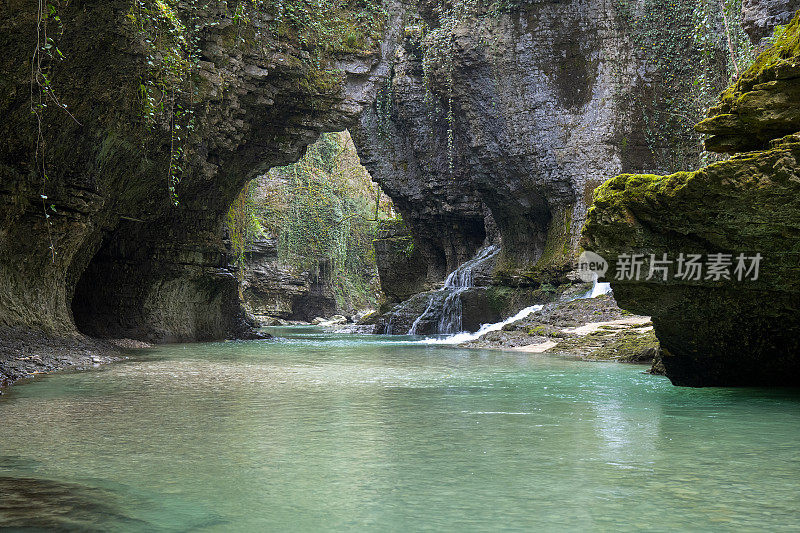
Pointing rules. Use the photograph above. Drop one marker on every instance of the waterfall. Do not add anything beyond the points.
(452, 312)
(413, 329)
(461, 277)
(465, 336)
(456, 282)
(598, 289)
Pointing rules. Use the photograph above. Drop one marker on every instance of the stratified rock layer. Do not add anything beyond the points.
(100, 240)
(717, 331)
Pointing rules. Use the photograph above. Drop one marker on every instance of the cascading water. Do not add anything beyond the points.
(452, 312)
(413, 329)
(598, 289)
(456, 283)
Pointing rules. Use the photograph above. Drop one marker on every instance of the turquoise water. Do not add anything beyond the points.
(354, 433)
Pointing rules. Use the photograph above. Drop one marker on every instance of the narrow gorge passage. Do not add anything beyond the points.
(399, 265)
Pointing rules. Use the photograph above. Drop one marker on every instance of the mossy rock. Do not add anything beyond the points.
(725, 332)
(764, 103)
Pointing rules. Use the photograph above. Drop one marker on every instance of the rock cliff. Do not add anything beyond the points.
(735, 323)
(271, 288)
(497, 125)
(152, 117)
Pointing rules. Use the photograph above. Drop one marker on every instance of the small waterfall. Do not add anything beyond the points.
(387, 329)
(598, 289)
(452, 312)
(456, 282)
(413, 329)
(461, 277)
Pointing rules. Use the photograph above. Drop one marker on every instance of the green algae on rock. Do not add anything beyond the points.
(763, 103)
(722, 332)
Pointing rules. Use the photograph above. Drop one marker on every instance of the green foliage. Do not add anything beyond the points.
(326, 27)
(49, 29)
(325, 211)
(689, 62)
(243, 223)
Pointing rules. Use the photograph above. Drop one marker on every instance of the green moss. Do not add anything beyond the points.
(545, 331)
(627, 346)
(758, 107)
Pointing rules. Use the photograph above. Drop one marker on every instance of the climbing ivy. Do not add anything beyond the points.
(49, 30)
(691, 50)
(243, 224)
(324, 210)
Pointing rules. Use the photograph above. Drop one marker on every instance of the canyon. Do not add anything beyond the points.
(485, 125)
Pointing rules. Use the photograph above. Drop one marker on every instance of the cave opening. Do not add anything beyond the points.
(92, 307)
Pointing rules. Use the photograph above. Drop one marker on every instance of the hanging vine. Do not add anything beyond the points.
(691, 54)
(46, 51)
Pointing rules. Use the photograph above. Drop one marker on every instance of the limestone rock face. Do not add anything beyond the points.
(401, 266)
(759, 17)
(100, 239)
(505, 136)
(718, 331)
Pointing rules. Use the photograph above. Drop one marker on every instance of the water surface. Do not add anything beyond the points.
(344, 433)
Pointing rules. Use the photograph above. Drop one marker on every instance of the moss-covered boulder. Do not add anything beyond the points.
(764, 103)
(713, 331)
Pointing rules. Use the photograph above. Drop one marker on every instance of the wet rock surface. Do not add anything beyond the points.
(43, 505)
(24, 354)
(589, 328)
(742, 328)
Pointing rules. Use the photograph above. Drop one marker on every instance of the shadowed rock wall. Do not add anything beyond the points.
(100, 238)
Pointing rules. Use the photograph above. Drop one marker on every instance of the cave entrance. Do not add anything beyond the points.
(303, 235)
(92, 308)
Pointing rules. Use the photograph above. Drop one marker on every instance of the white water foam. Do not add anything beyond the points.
(598, 289)
(466, 336)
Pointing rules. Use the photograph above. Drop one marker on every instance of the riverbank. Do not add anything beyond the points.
(593, 329)
(25, 354)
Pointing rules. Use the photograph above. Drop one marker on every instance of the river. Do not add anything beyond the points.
(318, 431)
